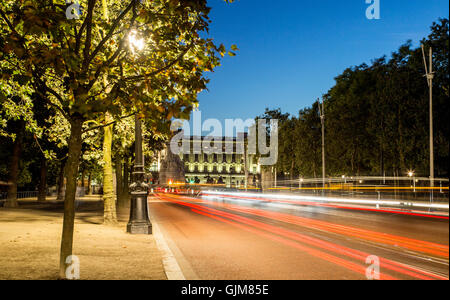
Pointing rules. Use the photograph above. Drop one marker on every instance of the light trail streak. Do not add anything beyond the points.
(316, 253)
(355, 254)
(411, 244)
(407, 243)
(349, 179)
(387, 188)
(318, 201)
(329, 199)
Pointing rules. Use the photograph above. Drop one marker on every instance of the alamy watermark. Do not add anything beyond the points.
(373, 270)
(73, 267)
(373, 11)
(262, 138)
(73, 9)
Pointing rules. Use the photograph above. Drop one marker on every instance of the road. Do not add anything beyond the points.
(229, 240)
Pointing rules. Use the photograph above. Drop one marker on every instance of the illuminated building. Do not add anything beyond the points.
(226, 168)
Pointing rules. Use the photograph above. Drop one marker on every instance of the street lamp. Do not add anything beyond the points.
(139, 222)
(411, 174)
(429, 74)
(136, 43)
(322, 121)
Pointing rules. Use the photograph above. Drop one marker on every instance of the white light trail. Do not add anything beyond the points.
(330, 199)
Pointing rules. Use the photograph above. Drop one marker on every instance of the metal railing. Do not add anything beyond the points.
(20, 195)
(27, 194)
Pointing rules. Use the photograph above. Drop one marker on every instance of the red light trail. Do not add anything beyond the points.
(298, 240)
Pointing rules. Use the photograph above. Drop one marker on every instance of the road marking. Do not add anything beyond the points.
(171, 267)
(183, 263)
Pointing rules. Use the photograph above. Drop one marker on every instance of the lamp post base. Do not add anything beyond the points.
(139, 228)
(139, 222)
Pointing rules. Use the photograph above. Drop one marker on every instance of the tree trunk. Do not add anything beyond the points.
(110, 214)
(119, 182)
(60, 190)
(42, 189)
(292, 172)
(126, 181)
(71, 171)
(89, 186)
(11, 200)
(315, 176)
(83, 176)
(82, 185)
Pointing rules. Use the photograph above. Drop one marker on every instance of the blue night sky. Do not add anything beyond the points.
(291, 50)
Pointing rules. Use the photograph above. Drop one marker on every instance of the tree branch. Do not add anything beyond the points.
(2, 13)
(87, 43)
(168, 66)
(111, 31)
(105, 125)
(112, 58)
(51, 103)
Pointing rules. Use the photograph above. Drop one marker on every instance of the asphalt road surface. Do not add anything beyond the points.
(223, 239)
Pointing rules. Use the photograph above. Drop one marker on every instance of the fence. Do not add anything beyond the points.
(21, 195)
(81, 192)
(406, 188)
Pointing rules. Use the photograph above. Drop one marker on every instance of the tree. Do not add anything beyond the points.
(70, 59)
(110, 215)
(377, 117)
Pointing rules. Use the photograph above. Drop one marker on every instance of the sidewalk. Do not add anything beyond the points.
(30, 242)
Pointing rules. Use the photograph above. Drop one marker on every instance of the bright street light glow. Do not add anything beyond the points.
(136, 43)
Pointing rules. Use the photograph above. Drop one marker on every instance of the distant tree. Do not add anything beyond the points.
(376, 118)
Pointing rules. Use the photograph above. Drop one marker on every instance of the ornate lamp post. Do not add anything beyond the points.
(139, 222)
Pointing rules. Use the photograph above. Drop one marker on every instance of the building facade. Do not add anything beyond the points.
(227, 168)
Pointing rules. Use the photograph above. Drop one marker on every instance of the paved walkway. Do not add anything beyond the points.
(30, 243)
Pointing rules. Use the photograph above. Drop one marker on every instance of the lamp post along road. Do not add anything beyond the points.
(411, 175)
(322, 121)
(430, 83)
(139, 221)
(429, 75)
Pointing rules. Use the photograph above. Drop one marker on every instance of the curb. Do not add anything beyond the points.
(171, 266)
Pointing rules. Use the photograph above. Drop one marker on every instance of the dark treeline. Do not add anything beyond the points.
(377, 118)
